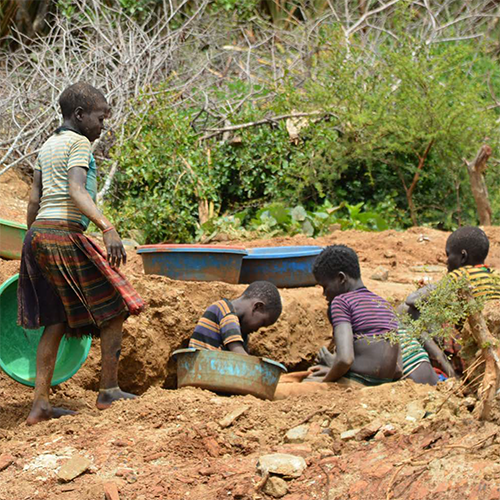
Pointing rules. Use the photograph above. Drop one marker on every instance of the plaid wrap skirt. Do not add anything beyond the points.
(65, 278)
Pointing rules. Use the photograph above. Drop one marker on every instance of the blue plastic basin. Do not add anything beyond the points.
(286, 267)
(193, 262)
(227, 372)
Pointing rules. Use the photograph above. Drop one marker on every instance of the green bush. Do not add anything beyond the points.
(390, 138)
(277, 219)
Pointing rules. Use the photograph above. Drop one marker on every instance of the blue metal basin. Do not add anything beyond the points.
(227, 372)
(286, 267)
(193, 262)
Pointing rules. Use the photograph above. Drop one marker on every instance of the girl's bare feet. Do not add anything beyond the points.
(108, 396)
(42, 410)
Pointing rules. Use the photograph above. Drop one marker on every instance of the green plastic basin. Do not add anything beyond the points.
(18, 346)
(11, 239)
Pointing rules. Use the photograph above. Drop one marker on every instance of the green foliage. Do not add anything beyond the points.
(390, 139)
(277, 219)
(446, 308)
(243, 9)
(165, 177)
(416, 105)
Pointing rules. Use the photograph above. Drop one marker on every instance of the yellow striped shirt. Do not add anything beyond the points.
(62, 151)
(485, 282)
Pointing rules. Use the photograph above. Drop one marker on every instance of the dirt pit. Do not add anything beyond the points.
(392, 442)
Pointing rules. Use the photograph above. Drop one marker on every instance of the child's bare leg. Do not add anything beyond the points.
(46, 356)
(111, 341)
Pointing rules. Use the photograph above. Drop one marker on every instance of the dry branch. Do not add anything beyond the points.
(490, 352)
(264, 121)
(476, 171)
(185, 55)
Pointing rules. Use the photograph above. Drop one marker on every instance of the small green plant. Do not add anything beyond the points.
(277, 219)
(443, 311)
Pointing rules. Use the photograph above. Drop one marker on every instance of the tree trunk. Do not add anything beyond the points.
(490, 352)
(416, 176)
(476, 170)
(411, 206)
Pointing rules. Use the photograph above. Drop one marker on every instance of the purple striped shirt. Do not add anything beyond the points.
(369, 314)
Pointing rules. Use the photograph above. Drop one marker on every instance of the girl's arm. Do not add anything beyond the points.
(77, 177)
(421, 293)
(344, 355)
(35, 197)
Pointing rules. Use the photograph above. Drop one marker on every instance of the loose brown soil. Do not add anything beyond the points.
(169, 444)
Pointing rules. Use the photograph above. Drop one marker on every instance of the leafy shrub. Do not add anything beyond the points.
(392, 135)
(277, 219)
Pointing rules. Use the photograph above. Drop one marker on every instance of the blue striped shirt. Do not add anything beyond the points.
(218, 327)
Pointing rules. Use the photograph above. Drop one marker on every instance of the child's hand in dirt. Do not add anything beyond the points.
(319, 371)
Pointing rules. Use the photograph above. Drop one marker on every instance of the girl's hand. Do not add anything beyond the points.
(114, 248)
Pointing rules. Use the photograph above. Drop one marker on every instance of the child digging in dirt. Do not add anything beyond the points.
(226, 324)
(361, 321)
(466, 251)
(66, 283)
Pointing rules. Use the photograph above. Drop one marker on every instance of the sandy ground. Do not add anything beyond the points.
(407, 441)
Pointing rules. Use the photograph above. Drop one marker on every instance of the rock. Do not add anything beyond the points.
(130, 244)
(389, 254)
(111, 491)
(369, 430)
(414, 411)
(380, 274)
(388, 430)
(297, 434)
(6, 461)
(232, 416)
(276, 487)
(75, 466)
(350, 434)
(282, 465)
(300, 450)
(428, 269)
(212, 446)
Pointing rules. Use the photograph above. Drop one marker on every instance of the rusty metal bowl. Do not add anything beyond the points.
(227, 372)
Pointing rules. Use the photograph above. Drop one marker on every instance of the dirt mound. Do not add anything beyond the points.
(174, 307)
(7, 269)
(369, 443)
(14, 193)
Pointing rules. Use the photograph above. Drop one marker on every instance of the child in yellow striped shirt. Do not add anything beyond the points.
(466, 251)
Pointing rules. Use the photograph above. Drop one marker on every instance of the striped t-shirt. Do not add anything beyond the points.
(218, 327)
(484, 281)
(62, 151)
(369, 314)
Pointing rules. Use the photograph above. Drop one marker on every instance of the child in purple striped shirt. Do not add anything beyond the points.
(361, 321)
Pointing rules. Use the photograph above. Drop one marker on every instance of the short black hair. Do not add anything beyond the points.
(268, 294)
(79, 95)
(334, 259)
(473, 240)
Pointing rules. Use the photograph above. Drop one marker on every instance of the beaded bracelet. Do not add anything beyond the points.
(107, 229)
